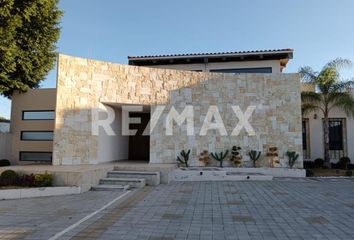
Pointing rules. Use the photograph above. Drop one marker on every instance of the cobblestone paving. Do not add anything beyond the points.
(278, 209)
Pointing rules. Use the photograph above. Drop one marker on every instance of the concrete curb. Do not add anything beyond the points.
(37, 192)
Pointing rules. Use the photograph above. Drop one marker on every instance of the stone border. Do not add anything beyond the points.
(37, 192)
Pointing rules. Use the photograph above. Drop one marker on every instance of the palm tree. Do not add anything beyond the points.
(330, 93)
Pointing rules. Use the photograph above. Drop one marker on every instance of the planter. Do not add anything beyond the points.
(19, 193)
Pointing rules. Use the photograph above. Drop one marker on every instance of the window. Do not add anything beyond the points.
(335, 134)
(38, 115)
(244, 70)
(37, 135)
(36, 156)
(306, 152)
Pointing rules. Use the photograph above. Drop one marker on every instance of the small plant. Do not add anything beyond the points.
(272, 154)
(4, 162)
(44, 180)
(319, 163)
(26, 180)
(8, 177)
(236, 157)
(254, 155)
(204, 157)
(349, 173)
(309, 173)
(293, 156)
(184, 157)
(220, 157)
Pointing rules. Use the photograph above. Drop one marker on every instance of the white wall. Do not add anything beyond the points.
(205, 67)
(111, 148)
(316, 133)
(5, 145)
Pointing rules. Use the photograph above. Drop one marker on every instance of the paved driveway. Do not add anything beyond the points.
(278, 209)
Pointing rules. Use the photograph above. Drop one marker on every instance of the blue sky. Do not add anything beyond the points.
(110, 30)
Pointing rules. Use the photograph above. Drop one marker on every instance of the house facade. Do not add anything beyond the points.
(57, 126)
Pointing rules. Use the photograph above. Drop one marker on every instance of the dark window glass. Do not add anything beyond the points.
(38, 115)
(37, 136)
(36, 156)
(335, 135)
(244, 70)
(304, 135)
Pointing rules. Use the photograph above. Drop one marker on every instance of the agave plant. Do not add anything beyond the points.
(293, 156)
(220, 157)
(254, 155)
(184, 157)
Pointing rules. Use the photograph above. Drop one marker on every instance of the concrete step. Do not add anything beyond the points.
(151, 178)
(106, 187)
(133, 182)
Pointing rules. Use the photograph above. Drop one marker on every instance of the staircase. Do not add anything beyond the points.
(118, 180)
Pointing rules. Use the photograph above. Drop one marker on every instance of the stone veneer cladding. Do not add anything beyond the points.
(82, 84)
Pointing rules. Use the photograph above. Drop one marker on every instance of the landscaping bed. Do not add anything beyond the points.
(14, 186)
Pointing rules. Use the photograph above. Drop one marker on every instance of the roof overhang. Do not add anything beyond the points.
(283, 55)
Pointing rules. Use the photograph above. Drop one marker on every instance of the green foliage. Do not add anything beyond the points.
(332, 93)
(44, 180)
(236, 157)
(220, 157)
(309, 173)
(8, 177)
(343, 162)
(349, 173)
(4, 162)
(254, 155)
(293, 156)
(28, 33)
(184, 158)
(319, 162)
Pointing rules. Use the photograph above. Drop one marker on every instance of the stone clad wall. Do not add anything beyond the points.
(82, 84)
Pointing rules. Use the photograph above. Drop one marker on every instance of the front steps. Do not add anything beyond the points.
(123, 180)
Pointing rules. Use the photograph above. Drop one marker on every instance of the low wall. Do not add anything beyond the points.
(83, 176)
(5, 141)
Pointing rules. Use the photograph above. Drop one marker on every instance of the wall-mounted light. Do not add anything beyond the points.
(315, 116)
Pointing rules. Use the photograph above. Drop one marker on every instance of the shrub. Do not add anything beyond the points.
(309, 173)
(349, 173)
(343, 162)
(8, 177)
(26, 180)
(319, 163)
(351, 166)
(44, 180)
(309, 164)
(4, 162)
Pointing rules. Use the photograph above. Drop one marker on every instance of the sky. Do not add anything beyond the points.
(111, 30)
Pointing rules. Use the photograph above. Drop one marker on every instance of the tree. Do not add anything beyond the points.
(331, 92)
(29, 30)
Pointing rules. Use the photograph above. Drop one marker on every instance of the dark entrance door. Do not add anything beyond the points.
(139, 145)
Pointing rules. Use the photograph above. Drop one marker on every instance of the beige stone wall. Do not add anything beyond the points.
(82, 84)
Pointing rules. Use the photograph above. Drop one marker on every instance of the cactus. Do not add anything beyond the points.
(293, 156)
(220, 157)
(236, 157)
(254, 155)
(184, 157)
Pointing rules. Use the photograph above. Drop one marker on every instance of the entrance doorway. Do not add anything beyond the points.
(139, 144)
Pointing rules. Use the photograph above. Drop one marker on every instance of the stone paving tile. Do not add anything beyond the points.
(310, 209)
